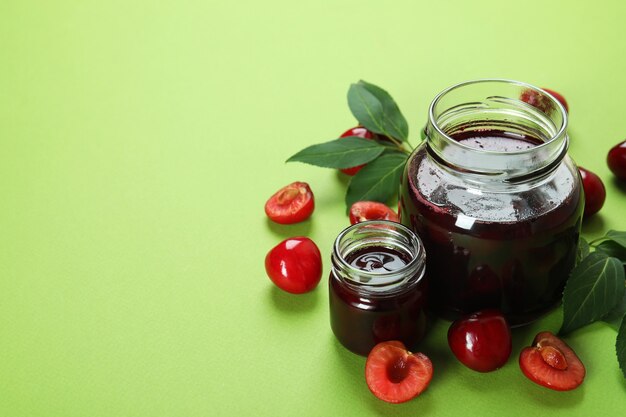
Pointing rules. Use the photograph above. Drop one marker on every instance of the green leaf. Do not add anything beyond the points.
(610, 248)
(620, 347)
(583, 250)
(374, 108)
(617, 237)
(593, 289)
(614, 244)
(616, 315)
(377, 181)
(340, 153)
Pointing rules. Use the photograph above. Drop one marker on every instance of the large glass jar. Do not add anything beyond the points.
(496, 200)
(376, 285)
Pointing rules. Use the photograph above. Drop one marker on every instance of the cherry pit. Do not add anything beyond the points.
(481, 340)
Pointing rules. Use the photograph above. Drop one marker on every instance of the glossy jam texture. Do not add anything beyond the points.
(360, 321)
(511, 250)
(378, 259)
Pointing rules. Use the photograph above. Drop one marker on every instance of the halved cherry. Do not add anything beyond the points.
(291, 204)
(396, 375)
(551, 363)
(371, 210)
(595, 193)
(360, 132)
(295, 265)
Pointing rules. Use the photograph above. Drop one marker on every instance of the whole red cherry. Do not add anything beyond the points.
(295, 265)
(616, 159)
(595, 193)
(481, 341)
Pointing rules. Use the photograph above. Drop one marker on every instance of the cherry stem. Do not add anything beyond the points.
(400, 145)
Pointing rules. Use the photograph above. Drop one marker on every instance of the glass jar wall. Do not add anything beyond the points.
(496, 200)
(377, 290)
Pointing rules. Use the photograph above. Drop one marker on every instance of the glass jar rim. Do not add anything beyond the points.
(395, 277)
(554, 102)
(497, 105)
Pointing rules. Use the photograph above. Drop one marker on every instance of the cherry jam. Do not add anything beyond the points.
(496, 200)
(378, 259)
(376, 288)
(510, 249)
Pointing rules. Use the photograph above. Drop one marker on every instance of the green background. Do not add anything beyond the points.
(139, 141)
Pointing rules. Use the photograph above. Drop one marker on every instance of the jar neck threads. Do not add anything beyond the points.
(372, 235)
(495, 105)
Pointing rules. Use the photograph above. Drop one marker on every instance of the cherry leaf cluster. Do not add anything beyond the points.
(596, 288)
(385, 154)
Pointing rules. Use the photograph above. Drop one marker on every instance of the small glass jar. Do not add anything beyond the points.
(377, 286)
(496, 200)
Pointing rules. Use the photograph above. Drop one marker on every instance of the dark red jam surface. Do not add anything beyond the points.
(378, 259)
(511, 251)
(361, 319)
